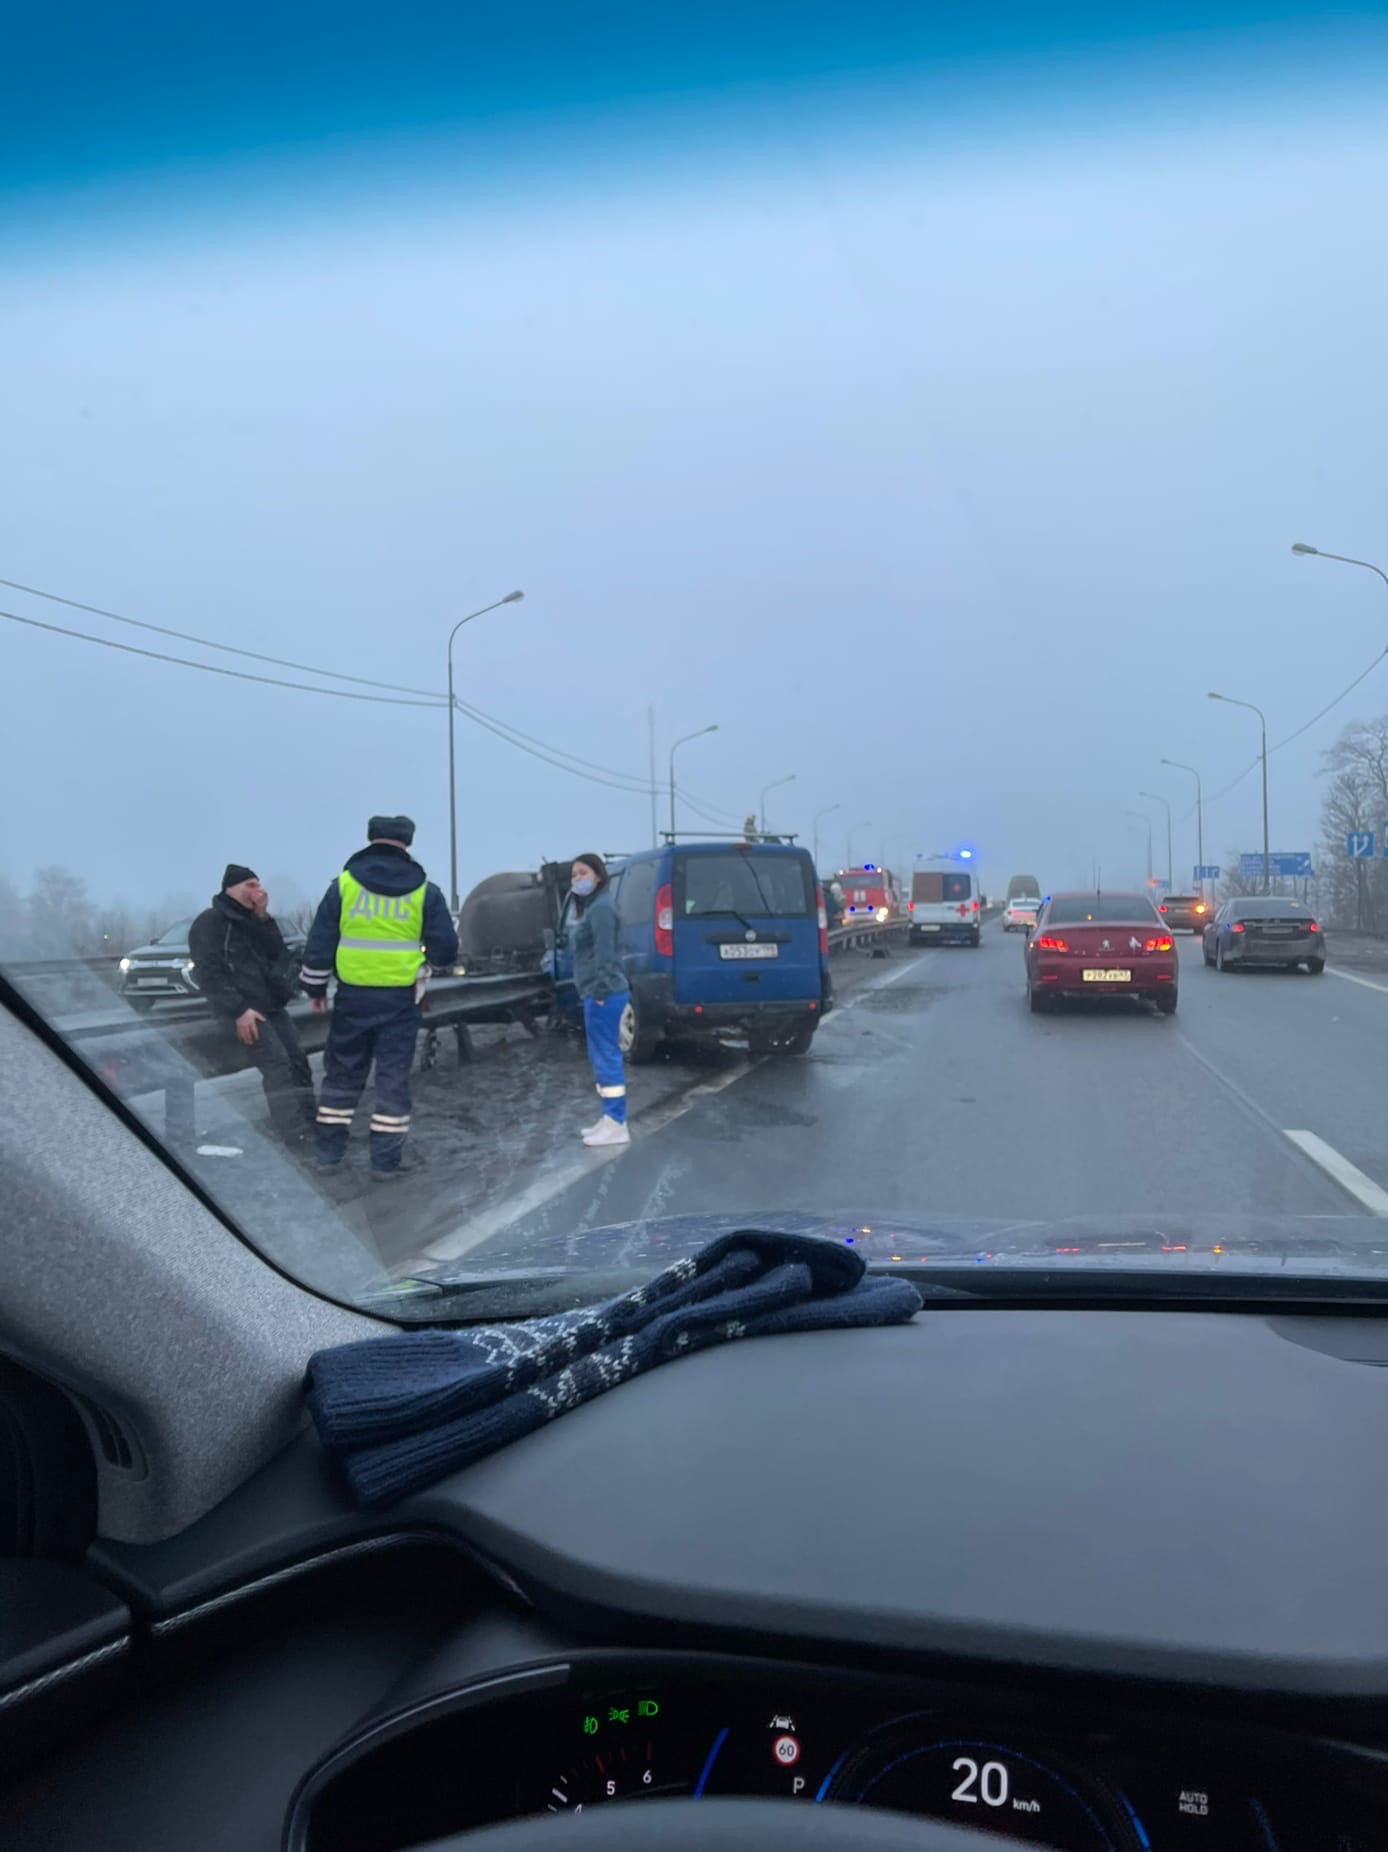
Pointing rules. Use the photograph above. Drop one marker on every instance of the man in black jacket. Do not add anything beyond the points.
(241, 965)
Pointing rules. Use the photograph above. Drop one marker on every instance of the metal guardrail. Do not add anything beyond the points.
(60, 967)
(171, 1055)
(866, 932)
(171, 1051)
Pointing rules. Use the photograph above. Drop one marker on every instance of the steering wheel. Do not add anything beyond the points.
(725, 1826)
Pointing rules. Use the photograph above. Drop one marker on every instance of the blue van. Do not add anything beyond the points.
(717, 938)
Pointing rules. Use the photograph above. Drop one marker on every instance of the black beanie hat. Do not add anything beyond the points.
(235, 873)
(391, 829)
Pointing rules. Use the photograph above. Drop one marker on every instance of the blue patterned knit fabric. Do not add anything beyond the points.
(399, 1412)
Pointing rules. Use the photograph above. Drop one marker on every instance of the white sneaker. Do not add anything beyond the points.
(607, 1132)
(589, 1130)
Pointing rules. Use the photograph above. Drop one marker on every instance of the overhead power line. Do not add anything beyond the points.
(210, 668)
(395, 693)
(1305, 727)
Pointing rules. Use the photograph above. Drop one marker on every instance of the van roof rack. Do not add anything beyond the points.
(725, 836)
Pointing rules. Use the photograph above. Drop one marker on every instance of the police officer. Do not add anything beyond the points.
(379, 925)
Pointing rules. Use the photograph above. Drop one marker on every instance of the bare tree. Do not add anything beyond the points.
(60, 914)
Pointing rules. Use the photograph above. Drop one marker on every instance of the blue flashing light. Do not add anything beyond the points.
(966, 855)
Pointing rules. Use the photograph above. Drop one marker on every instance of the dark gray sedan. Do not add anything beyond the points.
(1263, 929)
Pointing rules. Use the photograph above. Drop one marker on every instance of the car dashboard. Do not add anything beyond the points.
(604, 1729)
(1083, 1578)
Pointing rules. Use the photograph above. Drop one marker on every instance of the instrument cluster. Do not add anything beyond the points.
(1034, 1773)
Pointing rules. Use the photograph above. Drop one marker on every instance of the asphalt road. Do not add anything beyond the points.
(934, 1092)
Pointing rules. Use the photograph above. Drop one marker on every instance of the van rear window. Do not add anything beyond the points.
(932, 885)
(758, 886)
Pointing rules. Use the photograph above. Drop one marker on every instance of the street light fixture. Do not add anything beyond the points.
(1144, 817)
(1263, 725)
(775, 785)
(814, 827)
(510, 598)
(678, 743)
(1300, 546)
(1181, 766)
(1157, 798)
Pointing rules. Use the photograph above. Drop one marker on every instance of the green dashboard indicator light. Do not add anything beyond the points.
(647, 1707)
(619, 1716)
(590, 1726)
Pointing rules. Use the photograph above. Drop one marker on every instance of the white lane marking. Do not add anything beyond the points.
(1347, 1175)
(482, 1227)
(1350, 978)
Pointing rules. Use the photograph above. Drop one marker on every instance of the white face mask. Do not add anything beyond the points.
(583, 884)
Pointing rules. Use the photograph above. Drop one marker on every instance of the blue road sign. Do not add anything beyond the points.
(1284, 862)
(1209, 871)
(1359, 845)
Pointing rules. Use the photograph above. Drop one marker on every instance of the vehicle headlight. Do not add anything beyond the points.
(881, 914)
(186, 963)
(125, 964)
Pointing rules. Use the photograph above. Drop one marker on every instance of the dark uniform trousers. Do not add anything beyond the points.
(380, 1023)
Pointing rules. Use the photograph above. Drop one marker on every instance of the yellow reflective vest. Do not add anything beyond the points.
(380, 936)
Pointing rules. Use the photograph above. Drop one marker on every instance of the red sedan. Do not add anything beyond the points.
(1101, 945)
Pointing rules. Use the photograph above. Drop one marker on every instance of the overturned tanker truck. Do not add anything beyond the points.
(503, 921)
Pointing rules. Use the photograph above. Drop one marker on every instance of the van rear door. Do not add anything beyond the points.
(943, 900)
(746, 928)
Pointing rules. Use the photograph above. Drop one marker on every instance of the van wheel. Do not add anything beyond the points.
(637, 1037)
(977, 937)
(794, 1041)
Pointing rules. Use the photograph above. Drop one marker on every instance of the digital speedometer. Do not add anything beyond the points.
(913, 1766)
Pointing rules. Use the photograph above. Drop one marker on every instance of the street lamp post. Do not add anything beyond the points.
(1300, 546)
(1157, 798)
(1199, 814)
(510, 598)
(775, 785)
(814, 827)
(1263, 726)
(1143, 818)
(866, 824)
(678, 743)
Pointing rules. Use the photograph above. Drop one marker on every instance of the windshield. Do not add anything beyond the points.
(457, 462)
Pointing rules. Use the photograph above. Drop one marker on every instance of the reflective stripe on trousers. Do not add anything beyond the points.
(602, 1020)
(368, 1026)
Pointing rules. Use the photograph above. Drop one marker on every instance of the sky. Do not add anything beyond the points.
(926, 399)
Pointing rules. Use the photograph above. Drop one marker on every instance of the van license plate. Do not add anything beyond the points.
(749, 951)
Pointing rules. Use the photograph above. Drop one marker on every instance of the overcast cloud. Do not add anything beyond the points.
(946, 475)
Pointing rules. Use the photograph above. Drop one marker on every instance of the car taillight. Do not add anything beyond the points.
(1237, 926)
(823, 918)
(910, 906)
(1157, 945)
(665, 922)
(1312, 926)
(1200, 906)
(1047, 944)
(1162, 908)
